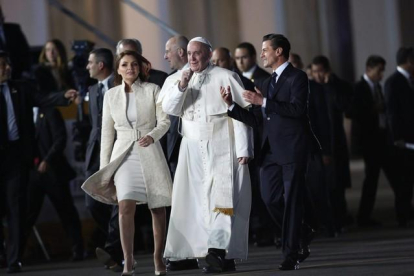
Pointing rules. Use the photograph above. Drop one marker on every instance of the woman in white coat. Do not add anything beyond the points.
(133, 167)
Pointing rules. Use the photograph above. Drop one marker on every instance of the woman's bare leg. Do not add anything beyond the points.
(158, 227)
(127, 229)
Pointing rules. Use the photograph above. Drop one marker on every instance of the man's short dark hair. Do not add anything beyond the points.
(278, 40)
(105, 56)
(248, 46)
(322, 60)
(374, 61)
(5, 56)
(404, 55)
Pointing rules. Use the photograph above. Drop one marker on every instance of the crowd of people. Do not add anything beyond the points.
(238, 153)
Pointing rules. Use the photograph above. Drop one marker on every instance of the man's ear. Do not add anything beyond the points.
(101, 65)
(181, 52)
(279, 51)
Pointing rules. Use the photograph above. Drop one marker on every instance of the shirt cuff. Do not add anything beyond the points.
(231, 107)
(264, 102)
(182, 90)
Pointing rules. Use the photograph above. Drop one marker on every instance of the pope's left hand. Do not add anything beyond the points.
(243, 160)
(145, 141)
(255, 98)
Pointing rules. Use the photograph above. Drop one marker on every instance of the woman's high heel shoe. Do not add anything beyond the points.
(132, 272)
(163, 272)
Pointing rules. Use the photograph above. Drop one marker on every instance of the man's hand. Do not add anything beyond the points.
(185, 78)
(243, 160)
(255, 98)
(43, 167)
(226, 95)
(145, 141)
(71, 94)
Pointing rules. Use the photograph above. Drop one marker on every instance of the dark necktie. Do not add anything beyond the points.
(3, 118)
(272, 90)
(99, 97)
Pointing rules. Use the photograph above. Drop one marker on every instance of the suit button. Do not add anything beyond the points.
(268, 118)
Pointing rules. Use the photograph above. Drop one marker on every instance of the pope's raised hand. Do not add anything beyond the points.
(185, 78)
(226, 95)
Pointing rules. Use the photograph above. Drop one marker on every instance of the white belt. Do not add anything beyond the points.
(131, 134)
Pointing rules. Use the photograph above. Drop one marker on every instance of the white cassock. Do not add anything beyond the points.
(209, 182)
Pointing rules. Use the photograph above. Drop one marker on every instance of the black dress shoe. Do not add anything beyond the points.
(289, 264)
(182, 265)
(104, 257)
(215, 258)
(229, 266)
(308, 234)
(14, 268)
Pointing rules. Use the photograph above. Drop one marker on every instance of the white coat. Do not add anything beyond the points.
(118, 137)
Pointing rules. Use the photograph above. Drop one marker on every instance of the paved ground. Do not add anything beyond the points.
(384, 251)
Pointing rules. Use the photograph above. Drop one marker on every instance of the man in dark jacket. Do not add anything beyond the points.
(399, 99)
(17, 100)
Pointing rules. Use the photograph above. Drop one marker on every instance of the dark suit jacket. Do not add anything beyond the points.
(285, 121)
(399, 97)
(95, 118)
(18, 49)
(51, 142)
(365, 117)
(157, 77)
(319, 119)
(338, 94)
(259, 76)
(25, 97)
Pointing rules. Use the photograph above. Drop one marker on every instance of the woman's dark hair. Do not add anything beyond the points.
(143, 64)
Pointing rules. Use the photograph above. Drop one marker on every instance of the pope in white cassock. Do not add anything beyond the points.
(211, 193)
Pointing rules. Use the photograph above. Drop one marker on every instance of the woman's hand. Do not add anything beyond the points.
(145, 141)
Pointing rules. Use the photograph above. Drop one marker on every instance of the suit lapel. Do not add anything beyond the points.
(281, 80)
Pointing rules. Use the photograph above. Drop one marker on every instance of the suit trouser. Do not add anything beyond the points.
(13, 190)
(376, 158)
(61, 198)
(407, 168)
(318, 195)
(282, 190)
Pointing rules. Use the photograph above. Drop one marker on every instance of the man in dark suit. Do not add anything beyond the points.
(261, 227)
(245, 57)
(371, 131)
(286, 138)
(100, 67)
(399, 99)
(338, 94)
(13, 41)
(51, 176)
(319, 160)
(16, 149)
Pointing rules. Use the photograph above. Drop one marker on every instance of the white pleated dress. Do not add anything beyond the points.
(129, 179)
